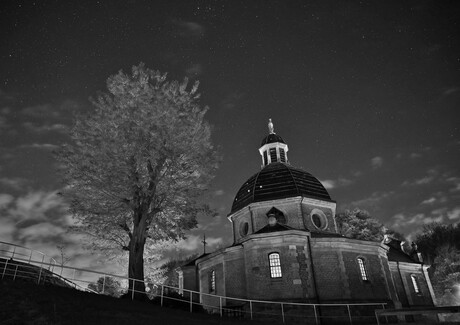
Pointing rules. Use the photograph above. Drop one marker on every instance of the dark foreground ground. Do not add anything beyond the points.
(28, 303)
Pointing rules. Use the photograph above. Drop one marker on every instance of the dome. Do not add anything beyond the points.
(278, 181)
(272, 138)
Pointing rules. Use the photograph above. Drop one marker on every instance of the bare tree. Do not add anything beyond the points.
(138, 165)
(64, 258)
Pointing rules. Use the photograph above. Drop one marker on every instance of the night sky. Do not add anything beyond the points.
(365, 93)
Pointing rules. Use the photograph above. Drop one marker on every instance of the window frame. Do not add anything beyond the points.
(363, 272)
(415, 284)
(212, 281)
(274, 263)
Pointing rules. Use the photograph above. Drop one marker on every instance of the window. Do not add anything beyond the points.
(362, 269)
(273, 156)
(212, 281)
(415, 284)
(265, 158)
(244, 228)
(275, 265)
(319, 219)
(277, 214)
(282, 155)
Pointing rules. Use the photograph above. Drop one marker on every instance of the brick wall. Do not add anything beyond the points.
(337, 272)
(307, 222)
(204, 275)
(373, 289)
(402, 273)
(235, 280)
(296, 281)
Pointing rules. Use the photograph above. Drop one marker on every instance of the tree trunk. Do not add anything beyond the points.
(136, 260)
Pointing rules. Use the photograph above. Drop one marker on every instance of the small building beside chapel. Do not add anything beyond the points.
(286, 247)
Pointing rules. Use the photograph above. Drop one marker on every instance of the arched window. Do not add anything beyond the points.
(414, 283)
(362, 269)
(212, 281)
(275, 265)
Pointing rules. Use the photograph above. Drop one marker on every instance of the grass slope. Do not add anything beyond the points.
(27, 303)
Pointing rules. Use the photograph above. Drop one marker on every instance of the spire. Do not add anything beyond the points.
(271, 128)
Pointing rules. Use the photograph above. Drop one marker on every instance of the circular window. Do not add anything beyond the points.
(318, 218)
(244, 228)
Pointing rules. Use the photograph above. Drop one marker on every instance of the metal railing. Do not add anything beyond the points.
(285, 312)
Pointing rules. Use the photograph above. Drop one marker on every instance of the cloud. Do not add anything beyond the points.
(45, 146)
(219, 192)
(450, 91)
(7, 229)
(401, 220)
(454, 213)
(194, 70)
(231, 101)
(377, 162)
(431, 200)
(340, 182)
(46, 110)
(39, 206)
(415, 155)
(431, 175)
(43, 232)
(5, 200)
(13, 182)
(56, 127)
(456, 183)
(328, 184)
(375, 199)
(439, 211)
(189, 28)
(193, 243)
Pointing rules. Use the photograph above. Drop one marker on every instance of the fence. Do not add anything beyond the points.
(24, 263)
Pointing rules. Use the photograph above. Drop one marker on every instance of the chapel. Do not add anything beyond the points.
(286, 247)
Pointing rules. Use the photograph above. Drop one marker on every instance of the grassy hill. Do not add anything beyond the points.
(23, 302)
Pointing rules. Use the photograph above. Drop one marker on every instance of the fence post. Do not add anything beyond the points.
(191, 301)
(386, 319)
(250, 307)
(41, 268)
(4, 270)
(220, 306)
(282, 312)
(15, 271)
(103, 285)
(14, 251)
(162, 293)
(73, 277)
(349, 314)
(316, 315)
(30, 257)
(132, 295)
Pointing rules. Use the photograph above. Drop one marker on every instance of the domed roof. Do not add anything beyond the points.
(271, 138)
(278, 181)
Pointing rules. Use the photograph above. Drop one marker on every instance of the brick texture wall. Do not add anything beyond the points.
(373, 289)
(296, 281)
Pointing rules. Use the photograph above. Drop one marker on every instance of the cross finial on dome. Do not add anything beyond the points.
(271, 128)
